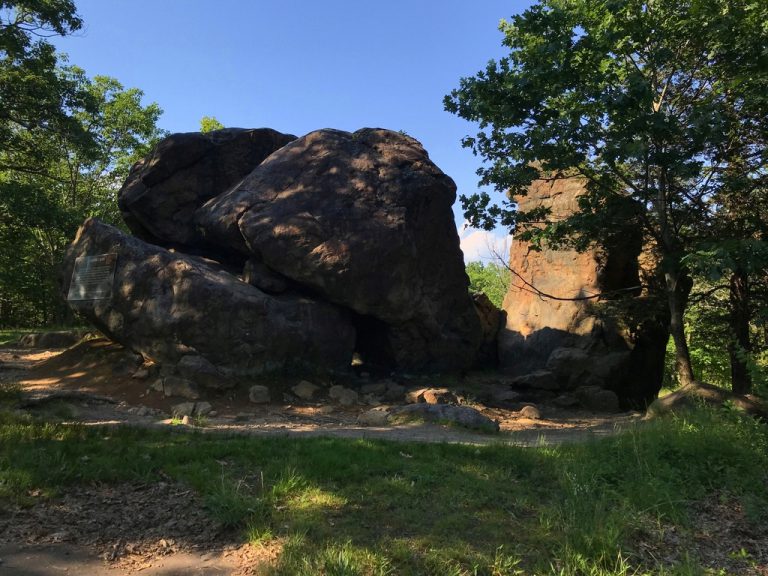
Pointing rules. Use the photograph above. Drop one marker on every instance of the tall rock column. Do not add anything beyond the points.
(581, 318)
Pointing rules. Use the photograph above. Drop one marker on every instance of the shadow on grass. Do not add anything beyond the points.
(378, 507)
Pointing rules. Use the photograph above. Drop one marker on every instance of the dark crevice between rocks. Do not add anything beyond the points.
(373, 350)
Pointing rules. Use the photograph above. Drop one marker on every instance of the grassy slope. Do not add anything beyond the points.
(363, 507)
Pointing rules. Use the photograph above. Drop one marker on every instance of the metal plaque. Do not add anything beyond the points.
(92, 277)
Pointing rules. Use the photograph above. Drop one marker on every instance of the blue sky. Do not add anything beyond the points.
(301, 65)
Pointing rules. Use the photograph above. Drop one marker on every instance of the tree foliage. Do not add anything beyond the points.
(209, 124)
(662, 105)
(490, 278)
(66, 144)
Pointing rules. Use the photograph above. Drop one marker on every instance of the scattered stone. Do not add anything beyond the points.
(141, 374)
(175, 386)
(186, 420)
(259, 394)
(530, 412)
(157, 385)
(199, 369)
(539, 379)
(306, 390)
(327, 409)
(143, 411)
(372, 400)
(415, 396)
(203, 409)
(566, 400)
(183, 409)
(375, 417)
(166, 369)
(447, 413)
(568, 362)
(432, 396)
(597, 399)
(378, 388)
(342, 395)
(395, 392)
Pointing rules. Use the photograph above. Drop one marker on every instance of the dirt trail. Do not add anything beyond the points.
(42, 373)
(97, 388)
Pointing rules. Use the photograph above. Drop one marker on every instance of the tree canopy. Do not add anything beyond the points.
(66, 144)
(491, 278)
(209, 124)
(662, 105)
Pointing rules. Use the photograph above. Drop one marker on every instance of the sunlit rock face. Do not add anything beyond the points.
(251, 245)
(615, 341)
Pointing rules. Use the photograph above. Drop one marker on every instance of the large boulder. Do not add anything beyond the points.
(184, 312)
(582, 315)
(162, 192)
(364, 220)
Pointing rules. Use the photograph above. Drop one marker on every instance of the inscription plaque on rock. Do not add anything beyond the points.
(92, 277)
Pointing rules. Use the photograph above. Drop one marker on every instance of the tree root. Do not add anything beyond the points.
(692, 394)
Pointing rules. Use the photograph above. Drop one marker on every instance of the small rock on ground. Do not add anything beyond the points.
(344, 396)
(530, 412)
(259, 394)
(183, 409)
(432, 396)
(306, 390)
(376, 417)
(175, 386)
(462, 415)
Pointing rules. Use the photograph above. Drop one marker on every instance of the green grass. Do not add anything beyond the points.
(11, 335)
(362, 507)
(10, 392)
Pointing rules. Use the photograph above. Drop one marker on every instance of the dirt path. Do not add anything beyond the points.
(97, 388)
(41, 374)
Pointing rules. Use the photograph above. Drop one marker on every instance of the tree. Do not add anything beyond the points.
(492, 279)
(66, 144)
(45, 198)
(209, 124)
(36, 96)
(642, 98)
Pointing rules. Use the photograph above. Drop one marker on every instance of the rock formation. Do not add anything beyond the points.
(364, 220)
(257, 252)
(193, 318)
(615, 341)
(159, 199)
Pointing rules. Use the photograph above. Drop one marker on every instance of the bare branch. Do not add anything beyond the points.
(531, 289)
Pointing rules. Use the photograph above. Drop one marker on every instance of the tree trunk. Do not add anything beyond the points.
(739, 346)
(678, 286)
